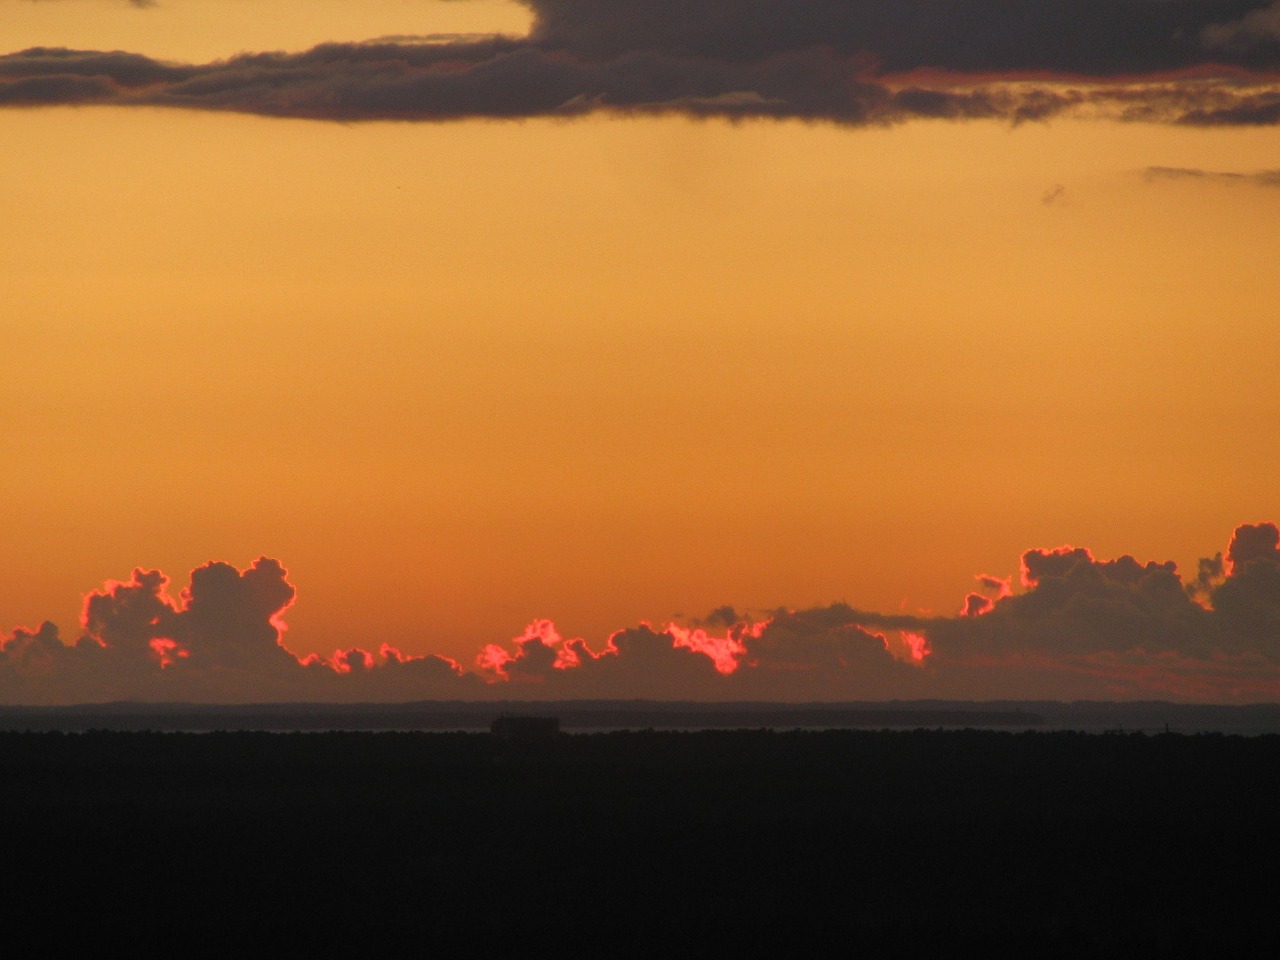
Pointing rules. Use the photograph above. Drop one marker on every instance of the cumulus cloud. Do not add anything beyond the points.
(873, 62)
(1079, 627)
(221, 639)
(1252, 542)
(1248, 599)
(1123, 628)
(819, 654)
(1075, 604)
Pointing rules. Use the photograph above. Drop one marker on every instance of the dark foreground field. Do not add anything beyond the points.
(845, 842)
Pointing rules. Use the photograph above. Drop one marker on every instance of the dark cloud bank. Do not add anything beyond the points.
(1077, 628)
(1202, 62)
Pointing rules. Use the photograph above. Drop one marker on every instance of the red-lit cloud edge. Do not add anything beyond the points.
(1074, 627)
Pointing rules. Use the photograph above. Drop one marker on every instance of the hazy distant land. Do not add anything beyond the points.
(597, 715)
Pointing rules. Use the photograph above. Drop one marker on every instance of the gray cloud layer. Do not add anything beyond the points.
(1084, 37)
(1204, 62)
(1080, 628)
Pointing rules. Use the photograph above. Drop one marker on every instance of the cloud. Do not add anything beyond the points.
(1119, 628)
(1251, 543)
(1258, 30)
(1077, 605)
(820, 654)
(220, 640)
(1080, 627)
(1093, 37)
(635, 663)
(873, 62)
(1248, 598)
(1259, 178)
(140, 4)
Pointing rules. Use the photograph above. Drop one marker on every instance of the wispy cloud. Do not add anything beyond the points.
(1258, 178)
(140, 4)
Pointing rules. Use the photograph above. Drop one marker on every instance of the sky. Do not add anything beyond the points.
(719, 350)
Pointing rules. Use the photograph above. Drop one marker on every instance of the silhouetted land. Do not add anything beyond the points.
(586, 715)
(858, 842)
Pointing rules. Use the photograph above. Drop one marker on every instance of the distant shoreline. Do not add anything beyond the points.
(598, 715)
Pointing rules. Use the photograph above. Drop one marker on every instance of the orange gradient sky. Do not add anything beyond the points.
(456, 376)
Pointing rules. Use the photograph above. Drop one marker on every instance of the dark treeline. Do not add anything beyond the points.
(1039, 844)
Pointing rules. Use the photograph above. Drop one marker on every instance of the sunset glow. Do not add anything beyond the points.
(917, 645)
(167, 651)
(1082, 627)
(746, 320)
(723, 651)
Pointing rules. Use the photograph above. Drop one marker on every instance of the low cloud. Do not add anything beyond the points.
(870, 63)
(1080, 627)
(1120, 628)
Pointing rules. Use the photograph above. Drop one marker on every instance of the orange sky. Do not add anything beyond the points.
(458, 376)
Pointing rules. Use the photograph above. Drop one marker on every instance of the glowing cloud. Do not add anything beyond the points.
(723, 651)
(1081, 627)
